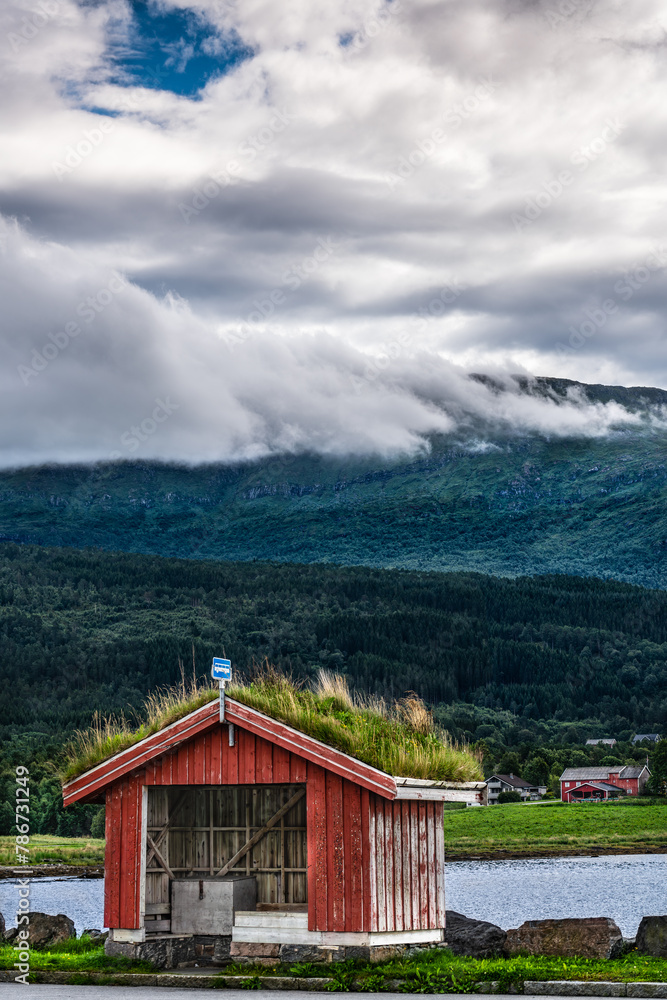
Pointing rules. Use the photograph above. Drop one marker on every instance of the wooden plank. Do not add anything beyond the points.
(215, 769)
(423, 867)
(431, 866)
(158, 926)
(281, 766)
(264, 761)
(181, 766)
(157, 909)
(398, 866)
(316, 824)
(190, 751)
(387, 808)
(126, 852)
(250, 776)
(414, 865)
(262, 833)
(298, 768)
(112, 856)
(368, 904)
(380, 864)
(440, 862)
(407, 866)
(335, 852)
(208, 759)
(348, 868)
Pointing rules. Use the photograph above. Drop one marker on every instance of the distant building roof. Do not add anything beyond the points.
(511, 779)
(653, 737)
(602, 785)
(601, 773)
(594, 743)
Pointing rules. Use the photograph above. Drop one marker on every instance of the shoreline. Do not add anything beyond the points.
(546, 853)
(43, 871)
(97, 871)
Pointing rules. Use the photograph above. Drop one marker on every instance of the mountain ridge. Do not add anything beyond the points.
(516, 505)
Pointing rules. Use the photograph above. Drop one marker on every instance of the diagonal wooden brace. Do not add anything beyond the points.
(262, 833)
(155, 850)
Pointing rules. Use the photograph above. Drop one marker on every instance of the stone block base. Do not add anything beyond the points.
(253, 953)
(167, 952)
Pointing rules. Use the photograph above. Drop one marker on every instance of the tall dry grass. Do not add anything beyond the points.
(109, 735)
(400, 739)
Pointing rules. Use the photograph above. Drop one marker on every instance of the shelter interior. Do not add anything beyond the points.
(257, 830)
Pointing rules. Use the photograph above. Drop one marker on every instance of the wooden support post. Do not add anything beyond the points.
(264, 830)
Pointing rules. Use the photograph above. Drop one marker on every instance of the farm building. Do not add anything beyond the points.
(578, 782)
(248, 838)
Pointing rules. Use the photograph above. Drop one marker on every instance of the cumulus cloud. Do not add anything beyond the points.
(453, 187)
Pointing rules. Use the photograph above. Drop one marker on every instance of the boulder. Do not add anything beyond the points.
(589, 937)
(652, 937)
(476, 938)
(45, 930)
(2, 927)
(95, 934)
(11, 933)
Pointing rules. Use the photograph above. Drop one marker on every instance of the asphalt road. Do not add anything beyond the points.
(44, 992)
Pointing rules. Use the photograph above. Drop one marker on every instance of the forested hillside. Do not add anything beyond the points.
(87, 631)
(513, 506)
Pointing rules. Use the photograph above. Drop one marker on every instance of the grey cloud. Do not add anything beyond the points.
(357, 162)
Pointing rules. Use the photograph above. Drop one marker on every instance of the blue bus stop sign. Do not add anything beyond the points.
(221, 669)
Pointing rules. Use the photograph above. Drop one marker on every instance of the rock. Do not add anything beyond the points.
(45, 929)
(95, 934)
(476, 938)
(652, 937)
(11, 933)
(589, 937)
(2, 927)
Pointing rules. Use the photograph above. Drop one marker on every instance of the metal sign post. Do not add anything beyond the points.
(221, 671)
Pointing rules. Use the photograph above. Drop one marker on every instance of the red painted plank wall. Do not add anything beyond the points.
(373, 864)
(122, 862)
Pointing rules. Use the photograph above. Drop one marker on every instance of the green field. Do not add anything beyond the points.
(540, 829)
(55, 850)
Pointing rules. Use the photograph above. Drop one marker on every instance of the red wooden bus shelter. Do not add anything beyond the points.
(343, 858)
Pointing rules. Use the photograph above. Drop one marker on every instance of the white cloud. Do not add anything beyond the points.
(360, 161)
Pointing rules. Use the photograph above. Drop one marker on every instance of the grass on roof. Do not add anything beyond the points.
(400, 738)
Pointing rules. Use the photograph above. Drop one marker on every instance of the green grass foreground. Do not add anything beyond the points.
(530, 829)
(76, 955)
(435, 971)
(45, 849)
(400, 738)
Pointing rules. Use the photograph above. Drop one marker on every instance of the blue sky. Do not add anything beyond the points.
(175, 49)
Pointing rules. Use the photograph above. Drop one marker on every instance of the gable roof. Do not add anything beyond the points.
(207, 717)
(602, 773)
(511, 779)
(602, 785)
(653, 737)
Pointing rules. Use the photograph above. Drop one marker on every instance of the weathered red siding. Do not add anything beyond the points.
(373, 864)
(122, 864)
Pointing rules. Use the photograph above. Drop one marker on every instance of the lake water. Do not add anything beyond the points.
(624, 887)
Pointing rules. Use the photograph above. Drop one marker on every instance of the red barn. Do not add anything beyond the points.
(630, 779)
(252, 839)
